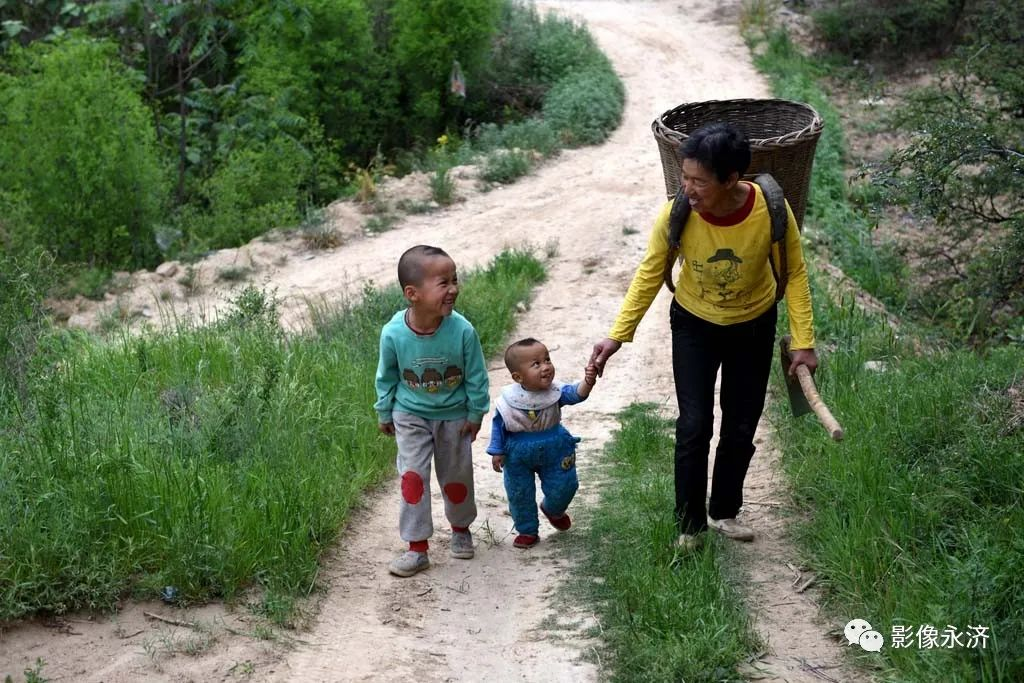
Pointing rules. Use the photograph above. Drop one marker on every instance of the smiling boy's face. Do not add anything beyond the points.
(436, 294)
(535, 370)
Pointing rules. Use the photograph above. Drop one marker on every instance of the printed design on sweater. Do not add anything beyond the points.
(453, 376)
(431, 378)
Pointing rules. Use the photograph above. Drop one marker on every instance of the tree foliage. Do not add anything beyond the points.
(78, 154)
(427, 38)
(891, 30)
(319, 62)
(964, 170)
(225, 118)
(27, 20)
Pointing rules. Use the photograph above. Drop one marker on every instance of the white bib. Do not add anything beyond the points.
(529, 411)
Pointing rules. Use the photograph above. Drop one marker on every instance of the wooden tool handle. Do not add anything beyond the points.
(817, 405)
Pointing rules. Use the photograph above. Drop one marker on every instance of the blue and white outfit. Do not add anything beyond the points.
(527, 429)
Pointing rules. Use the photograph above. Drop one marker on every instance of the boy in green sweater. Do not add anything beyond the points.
(432, 394)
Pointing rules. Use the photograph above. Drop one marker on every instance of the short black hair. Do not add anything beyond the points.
(510, 352)
(410, 265)
(719, 147)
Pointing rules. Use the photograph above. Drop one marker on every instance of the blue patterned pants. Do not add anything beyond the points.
(549, 455)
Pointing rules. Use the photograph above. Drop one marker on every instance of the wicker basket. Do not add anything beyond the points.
(782, 135)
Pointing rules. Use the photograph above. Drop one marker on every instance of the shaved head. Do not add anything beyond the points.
(514, 351)
(410, 265)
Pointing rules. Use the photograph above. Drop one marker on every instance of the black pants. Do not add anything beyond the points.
(744, 352)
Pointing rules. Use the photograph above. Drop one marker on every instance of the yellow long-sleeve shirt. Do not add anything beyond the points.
(725, 277)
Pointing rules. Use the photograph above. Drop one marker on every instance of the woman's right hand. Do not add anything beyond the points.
(603, 350)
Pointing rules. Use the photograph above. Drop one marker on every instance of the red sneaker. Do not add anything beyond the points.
(561, 523)
(525, 541)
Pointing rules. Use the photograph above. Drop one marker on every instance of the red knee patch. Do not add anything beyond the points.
(456, 492)
(412, 487)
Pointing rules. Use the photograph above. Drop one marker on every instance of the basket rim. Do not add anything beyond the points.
(812, 129)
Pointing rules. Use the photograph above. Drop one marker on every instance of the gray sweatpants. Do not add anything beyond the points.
(419, 442)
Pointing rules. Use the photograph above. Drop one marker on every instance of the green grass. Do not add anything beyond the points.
(209, 459)
(845, 232)
(442, 186)
(663, 616)
(913, 520)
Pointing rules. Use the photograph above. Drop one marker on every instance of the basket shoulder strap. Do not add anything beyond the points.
(677, 218)
(776, 202)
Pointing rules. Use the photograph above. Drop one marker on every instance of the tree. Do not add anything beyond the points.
(427, 37)
(79, 154)
(319, 62)
(964, 170)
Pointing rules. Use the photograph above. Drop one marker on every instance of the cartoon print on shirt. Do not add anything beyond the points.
(721, 270)
(411, 378)
(432, 380)
(453, 376)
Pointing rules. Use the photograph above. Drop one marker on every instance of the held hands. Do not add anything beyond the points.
(470, 428)
(497, 462)
(589, 380)
(603, 350)
(802, 357)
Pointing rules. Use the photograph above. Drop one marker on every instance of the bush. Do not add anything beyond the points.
(319, 62)
(428, 36)
(964, 170)
(896, 30)
(79, 152)
(529, 54)
(533, 134)
(991, 50)
(254, 190)
(504, 166)
(562, 47)
(585, 106)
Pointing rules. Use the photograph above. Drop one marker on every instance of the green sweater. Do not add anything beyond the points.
(439, 376)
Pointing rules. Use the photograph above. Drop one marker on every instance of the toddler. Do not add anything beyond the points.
(528, 439)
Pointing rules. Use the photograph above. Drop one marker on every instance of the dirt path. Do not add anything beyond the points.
(485, 618)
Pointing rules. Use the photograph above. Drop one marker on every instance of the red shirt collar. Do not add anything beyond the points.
(737, 216)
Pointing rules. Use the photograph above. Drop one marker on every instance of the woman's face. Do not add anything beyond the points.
(706, 192)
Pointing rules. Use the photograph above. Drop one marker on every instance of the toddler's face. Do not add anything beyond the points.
(536, 372)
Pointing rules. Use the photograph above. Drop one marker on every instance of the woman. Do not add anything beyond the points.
(723, 316)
